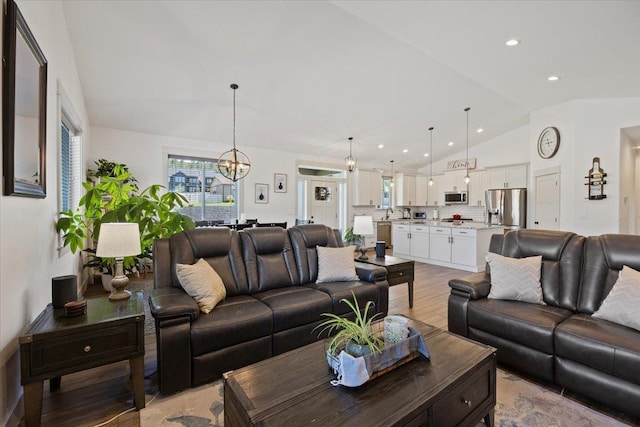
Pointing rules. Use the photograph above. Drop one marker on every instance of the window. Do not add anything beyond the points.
(70, 170)
(211, 196)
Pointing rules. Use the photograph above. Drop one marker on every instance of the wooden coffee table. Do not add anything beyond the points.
(457, 386)
(399, 270)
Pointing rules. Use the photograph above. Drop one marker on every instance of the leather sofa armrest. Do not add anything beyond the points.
(474, 286)
(370, 273)
(167, 303)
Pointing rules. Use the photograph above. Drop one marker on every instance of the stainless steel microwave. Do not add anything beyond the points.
(455, 198)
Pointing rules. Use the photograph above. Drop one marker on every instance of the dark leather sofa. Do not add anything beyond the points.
(559, 342)
(272, 303)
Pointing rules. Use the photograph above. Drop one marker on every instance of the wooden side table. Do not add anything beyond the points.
(399, 270)
(55, 345)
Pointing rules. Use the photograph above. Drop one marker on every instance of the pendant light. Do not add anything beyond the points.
(392, 176)
(431, 156)
(350, 160)
(467, 178)
(234, 164)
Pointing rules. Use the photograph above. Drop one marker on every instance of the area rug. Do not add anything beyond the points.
(520, 403)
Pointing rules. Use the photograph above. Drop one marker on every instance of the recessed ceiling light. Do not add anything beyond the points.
(405, 150)
(381, 146)
(513, 42)
(553, 78)
(480, 130)
(426, 154)
(451, 143)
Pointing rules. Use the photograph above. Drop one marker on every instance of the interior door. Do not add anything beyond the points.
(324, 203)
(547, 202)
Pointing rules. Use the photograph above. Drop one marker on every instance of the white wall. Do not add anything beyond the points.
(588, 128)
(146, 156)
(627, 184)
(510, 148)
(28, 248)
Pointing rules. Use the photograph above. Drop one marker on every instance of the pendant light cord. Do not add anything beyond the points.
(234, 87)
(431, 154)
(467, 162)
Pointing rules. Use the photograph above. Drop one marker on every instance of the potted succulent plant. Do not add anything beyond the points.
(356, 337)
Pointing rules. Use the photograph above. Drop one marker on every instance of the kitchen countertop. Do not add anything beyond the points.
(435, 223)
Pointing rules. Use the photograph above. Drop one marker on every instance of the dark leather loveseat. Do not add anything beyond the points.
(272, 303)
(559, 342)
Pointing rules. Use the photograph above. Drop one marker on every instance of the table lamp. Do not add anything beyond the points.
(118, 240)
(363, 225)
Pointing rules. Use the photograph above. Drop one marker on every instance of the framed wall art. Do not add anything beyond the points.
(262, 193)
(279, 182)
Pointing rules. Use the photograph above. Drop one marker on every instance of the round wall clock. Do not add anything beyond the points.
(548, 142)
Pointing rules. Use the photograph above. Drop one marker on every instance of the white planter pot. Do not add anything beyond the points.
(106, 282)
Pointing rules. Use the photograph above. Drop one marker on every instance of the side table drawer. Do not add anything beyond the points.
(397, 275)
(463, 400)
(84, 350)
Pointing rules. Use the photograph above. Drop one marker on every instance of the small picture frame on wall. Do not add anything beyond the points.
(262, 193)
(279, 182)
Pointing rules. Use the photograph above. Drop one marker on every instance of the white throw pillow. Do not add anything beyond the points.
(515, 278)
(336, 264)
(621, 305)
(202, 283)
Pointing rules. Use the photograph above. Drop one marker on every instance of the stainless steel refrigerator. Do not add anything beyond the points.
(507, 207)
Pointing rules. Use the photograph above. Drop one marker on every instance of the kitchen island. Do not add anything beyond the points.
(462, 246)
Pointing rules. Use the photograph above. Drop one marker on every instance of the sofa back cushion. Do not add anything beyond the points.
(268, 259)
(561, 261)
(304, 239)
(220, 247)
(604, 257)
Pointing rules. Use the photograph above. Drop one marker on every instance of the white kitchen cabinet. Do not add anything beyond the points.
(440, 244)
(508, 177)
(411, 241)
(454, 180)
(419, 241)
(436, 191)
(422, 190)
(400, 240)
(405, 190)
(367, 188)
(480, 183)
(463, 247)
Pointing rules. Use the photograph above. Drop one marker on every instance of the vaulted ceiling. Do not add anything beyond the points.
(313, 73)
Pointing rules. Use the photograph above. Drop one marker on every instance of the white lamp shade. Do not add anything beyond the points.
(118, 239)
(363, 225)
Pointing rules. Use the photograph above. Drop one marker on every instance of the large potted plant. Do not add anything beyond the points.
(356, 337)
(114, 197)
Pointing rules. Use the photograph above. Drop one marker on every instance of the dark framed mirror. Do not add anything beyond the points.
(24, 105)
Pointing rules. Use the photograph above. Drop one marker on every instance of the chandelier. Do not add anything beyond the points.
(234, 164)
(350, 160)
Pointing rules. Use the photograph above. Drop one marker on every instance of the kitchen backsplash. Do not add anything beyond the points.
(477, 213)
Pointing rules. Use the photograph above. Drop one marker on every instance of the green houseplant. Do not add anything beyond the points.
(112, 196)
(356, 336)
(350, 238)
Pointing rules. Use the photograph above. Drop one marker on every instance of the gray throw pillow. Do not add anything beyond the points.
(515, 279)
(202, 283)
(621, 305)
(336, 264)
